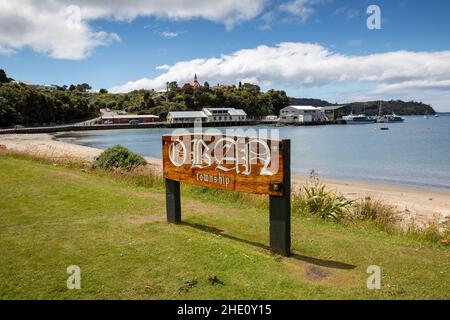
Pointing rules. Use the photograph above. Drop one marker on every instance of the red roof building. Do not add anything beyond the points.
(194, 84)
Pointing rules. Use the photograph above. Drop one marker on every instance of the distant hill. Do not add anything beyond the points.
(371, 108)
(308, 102)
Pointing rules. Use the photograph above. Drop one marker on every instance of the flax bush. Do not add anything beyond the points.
(318, 201)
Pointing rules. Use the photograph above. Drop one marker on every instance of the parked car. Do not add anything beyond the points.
(134, 122)
(18, 126)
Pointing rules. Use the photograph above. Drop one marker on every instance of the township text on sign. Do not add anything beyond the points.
(231, 163)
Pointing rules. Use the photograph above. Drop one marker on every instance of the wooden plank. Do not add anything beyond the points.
(234, 164)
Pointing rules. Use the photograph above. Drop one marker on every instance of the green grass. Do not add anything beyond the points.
(53, 216)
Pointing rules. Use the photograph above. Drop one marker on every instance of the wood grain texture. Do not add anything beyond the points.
(213, 177)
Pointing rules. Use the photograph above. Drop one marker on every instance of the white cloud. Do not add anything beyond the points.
(52, 27)
(169, 34)
(299, 8)
(298, 65)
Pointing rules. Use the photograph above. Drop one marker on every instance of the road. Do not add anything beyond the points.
(104, 113)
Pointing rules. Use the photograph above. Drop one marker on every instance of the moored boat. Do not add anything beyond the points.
(390, 118)
(357, 119)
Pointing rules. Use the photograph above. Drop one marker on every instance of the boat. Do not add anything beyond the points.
(390, 118)
(357, 119)
(436, 115)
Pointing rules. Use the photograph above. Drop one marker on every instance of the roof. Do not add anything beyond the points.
(303, 107)
(237, 112)
(187, 114)
(194, 83)
(130, 116)
(231, 111)
(334, 107)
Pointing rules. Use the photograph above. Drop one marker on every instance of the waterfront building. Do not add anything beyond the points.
(302, 114)
(207, 115)
(125, 119)
(335, 112)
(225, 114)
(186, 117)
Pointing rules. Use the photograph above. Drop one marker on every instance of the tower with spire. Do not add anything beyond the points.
(194, 84)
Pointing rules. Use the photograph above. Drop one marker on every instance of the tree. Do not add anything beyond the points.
(103, 91)
(3, 77)
(8, 115)
(279, 100)
(84, 87)
(251, 87)
(173, 86)
(150, 103)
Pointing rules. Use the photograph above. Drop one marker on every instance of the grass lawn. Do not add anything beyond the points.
(52, 217)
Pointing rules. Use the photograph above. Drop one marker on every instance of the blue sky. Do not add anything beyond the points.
(122, 53)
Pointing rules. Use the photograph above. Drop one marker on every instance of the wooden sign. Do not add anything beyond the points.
(222, 162)
(232, 163)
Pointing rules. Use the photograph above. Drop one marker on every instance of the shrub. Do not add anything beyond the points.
(376, 211)
(318, 201)
(119, 157)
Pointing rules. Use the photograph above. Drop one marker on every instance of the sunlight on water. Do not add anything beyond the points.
(416, 152)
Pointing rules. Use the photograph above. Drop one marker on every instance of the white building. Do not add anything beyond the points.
(47, 87)
(207, 115)
(186, 117)
(302, 114)
(225, 114)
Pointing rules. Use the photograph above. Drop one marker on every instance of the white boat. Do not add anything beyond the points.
(390, 118)
(357, 119)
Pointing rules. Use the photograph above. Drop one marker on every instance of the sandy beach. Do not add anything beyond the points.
(413, 204)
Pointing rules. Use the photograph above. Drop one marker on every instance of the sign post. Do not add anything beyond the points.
(236, 164)
(173, 201)
(280, 210)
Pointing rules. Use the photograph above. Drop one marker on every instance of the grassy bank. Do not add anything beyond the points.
(53, 216)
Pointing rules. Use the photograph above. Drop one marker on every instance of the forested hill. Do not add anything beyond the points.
(308, 102)
(399, 107)
(21, 104)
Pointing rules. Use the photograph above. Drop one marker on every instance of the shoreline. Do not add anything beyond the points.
(414, 205)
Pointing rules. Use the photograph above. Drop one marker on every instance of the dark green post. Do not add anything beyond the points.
(280, 209)
(173, 202)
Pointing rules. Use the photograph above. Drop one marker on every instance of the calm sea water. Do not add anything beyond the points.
(415, 153)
